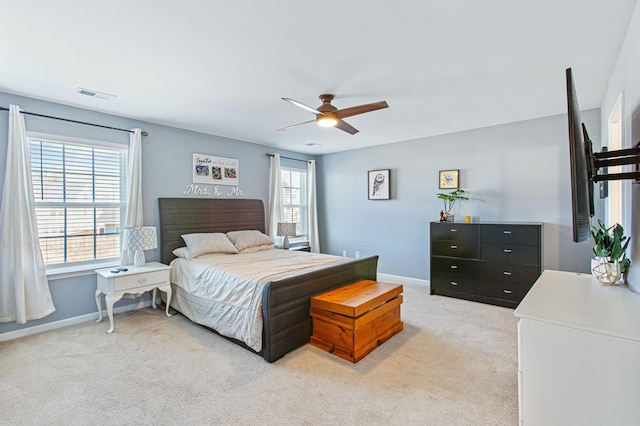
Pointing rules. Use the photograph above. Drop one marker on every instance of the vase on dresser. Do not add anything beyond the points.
(605, 271)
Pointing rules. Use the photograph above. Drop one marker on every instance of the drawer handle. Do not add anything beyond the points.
(453, 230)
(507, 291)
(454, 247)
(454, 283)
(506, 273)
(507, 250)
(142, 280)
(506, 232)
(454, 266)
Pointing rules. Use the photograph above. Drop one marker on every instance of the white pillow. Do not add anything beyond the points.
(245, 239)
(257, 248)
(182, 252)
(199, 244)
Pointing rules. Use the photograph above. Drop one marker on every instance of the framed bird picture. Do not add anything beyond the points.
(379, 184)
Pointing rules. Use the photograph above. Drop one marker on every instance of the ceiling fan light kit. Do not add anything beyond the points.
(326, 121)
(329, 116)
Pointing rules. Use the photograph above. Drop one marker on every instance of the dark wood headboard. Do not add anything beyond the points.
(180, 216)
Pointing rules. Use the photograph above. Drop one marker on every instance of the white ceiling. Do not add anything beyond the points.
(222, 67)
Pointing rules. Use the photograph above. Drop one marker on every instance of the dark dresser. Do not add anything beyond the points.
(494, 263)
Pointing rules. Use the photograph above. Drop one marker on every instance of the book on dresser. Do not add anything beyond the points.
(494, 263)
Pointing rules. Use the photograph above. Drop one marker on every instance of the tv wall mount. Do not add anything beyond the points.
(599, 161)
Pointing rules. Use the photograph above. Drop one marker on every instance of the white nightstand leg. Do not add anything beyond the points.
(110, 301)
(153, 297)
(99, 304)
(167, 290)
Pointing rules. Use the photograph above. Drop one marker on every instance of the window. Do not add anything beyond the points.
(79, 189)
(294, 200)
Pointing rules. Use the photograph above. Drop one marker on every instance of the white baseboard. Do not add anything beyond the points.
(403, 280)
(10, 335)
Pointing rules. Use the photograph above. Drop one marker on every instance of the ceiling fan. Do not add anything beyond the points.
(329, 116)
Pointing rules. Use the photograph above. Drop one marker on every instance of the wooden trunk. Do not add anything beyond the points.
(353, 320)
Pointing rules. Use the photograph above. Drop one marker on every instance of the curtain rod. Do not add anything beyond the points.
(268, 154)
(74, 121)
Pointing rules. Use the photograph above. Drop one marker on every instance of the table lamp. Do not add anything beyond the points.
(286, 230)
(139, 239)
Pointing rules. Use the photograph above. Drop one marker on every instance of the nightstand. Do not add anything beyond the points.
(136, 280)
(300, 248)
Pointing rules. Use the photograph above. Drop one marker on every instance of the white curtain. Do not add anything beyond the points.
(275, 198)
(314, 241)
(133, 215)
(24, 289)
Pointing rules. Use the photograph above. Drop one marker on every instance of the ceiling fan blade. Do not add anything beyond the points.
(301, 105)
(296, 125)
(343, 125)
(360, 109)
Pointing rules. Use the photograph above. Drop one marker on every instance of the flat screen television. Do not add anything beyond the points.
(580, 153)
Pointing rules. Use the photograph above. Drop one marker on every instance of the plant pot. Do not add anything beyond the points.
(449, 217)
(606, 272)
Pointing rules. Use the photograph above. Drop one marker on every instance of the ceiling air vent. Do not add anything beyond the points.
(95, 94)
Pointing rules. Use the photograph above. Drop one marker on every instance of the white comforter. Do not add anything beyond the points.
(233, 284)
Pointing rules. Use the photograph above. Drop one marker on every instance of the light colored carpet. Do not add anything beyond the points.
(455, 363)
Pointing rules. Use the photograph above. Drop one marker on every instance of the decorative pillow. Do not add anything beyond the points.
(245, 239)
(199, 244)
(182, 252)
(257, 248)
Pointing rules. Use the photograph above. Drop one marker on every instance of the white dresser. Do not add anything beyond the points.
(578, 352)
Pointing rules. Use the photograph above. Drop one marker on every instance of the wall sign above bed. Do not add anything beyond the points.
(215, 170)
(194, 189)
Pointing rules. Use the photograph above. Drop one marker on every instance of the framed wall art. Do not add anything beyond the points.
(449, 179)
(379, 184)
(215, 170)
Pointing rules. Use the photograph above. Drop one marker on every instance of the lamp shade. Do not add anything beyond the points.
(141, 238)
(286, 229)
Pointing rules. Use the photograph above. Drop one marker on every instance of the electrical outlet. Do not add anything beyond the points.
(344, 253)
(357, 254)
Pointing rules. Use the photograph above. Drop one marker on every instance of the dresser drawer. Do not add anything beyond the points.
(455, 232)
(508, 291)
(452, 248)
(129, 282)
(511, 272)
(449, 283)
(455, 267)
(510, 253)
(523, 235)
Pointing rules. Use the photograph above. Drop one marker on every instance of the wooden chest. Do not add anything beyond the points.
(353, 320)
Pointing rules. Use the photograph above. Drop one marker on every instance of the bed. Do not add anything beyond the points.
(286, 324)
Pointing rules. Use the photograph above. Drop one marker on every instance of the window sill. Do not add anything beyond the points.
(70, 271)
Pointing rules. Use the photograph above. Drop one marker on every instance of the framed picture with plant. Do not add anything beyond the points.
(449, 179)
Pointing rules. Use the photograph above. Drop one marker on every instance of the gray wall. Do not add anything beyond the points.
(166, 163)
(625, 79)
(515, 172)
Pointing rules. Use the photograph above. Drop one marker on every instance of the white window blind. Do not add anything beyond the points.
(79, 191)
(294, 200)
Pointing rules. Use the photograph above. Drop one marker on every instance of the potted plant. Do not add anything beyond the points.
(610, 250)
(450, 200)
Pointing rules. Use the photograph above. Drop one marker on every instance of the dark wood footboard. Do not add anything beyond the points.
(285, 304)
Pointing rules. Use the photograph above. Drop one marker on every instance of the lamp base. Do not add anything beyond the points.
(285, 243)
(138, 258)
